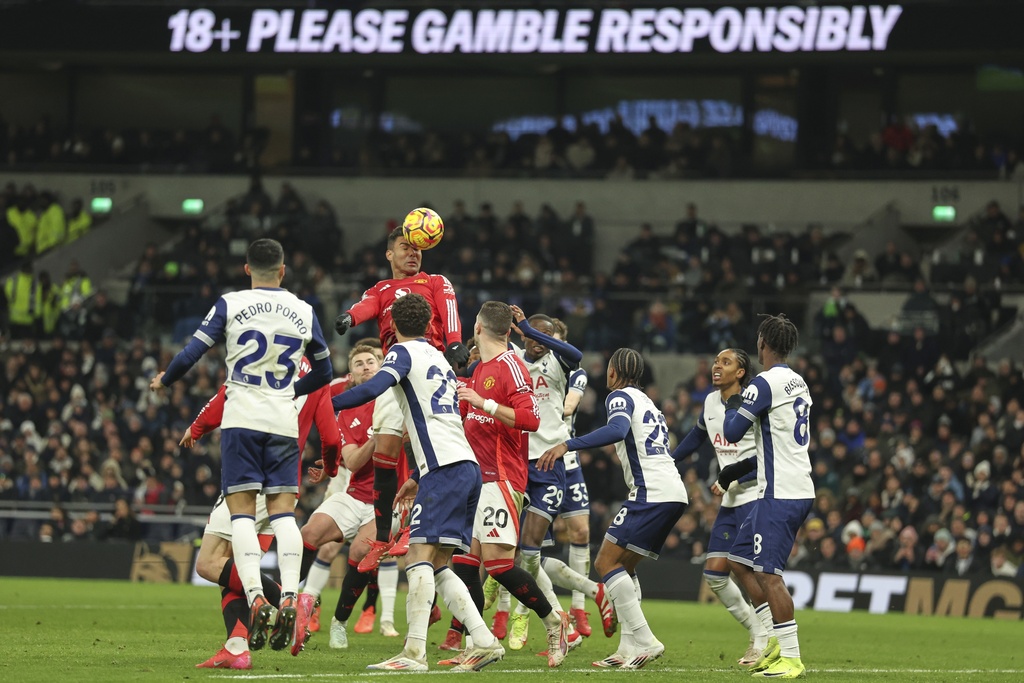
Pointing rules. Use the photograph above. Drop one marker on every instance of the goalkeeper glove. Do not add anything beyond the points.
(342, 324)
(457, 354)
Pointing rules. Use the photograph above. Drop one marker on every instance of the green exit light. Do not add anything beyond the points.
(101, 204)
(944, 214)
(192, 206)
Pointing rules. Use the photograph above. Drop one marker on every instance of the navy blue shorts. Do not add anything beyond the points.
(576, 500)
(545, 490)
(258, 461)
(445, 506)
(765, 538)
(726, 528)
(643, 527)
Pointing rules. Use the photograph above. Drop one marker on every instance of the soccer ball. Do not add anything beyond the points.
(423, 228)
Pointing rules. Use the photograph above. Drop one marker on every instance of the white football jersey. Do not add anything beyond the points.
(550, 380)
(779, 404)
(426, 392)
(646, 458)
(266, 332)
(577, 383)
(712, 421)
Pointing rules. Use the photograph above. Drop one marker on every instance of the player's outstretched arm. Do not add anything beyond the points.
(613, 432)
(208, 419)
(210, 331)
(365, 392)
(182, 362)
(565, 351)
(691, 442)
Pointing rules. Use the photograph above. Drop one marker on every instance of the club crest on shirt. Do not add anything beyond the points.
(489, 383)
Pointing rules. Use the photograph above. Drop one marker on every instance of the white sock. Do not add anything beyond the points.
(245, 547)
(579, 562)
(387, 584)
(627, 643)
(456, 596)
(417, 607)
(788, 643)
(544, 583)
(764, 614)
(563, 576)
(237, 645)
(504, 600)
(529, 559)
(729, 593)
(623, 594)
(289, 550)
(316, 580)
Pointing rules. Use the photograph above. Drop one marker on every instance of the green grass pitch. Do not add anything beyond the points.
(62, 631)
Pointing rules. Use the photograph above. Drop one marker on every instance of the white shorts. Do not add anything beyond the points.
(497, 514)
(219, 523)
(348, 513)
(387, 415)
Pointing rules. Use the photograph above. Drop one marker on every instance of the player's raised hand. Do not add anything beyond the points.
(517, 317)
(342, 323)
(407, 494)
(155, 384)
(457, 355)
(551, 455)
(187, 441)
(316, 472)
(469, 395)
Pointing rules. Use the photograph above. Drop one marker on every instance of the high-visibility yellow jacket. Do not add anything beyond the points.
(24, 223)
(22, 292)
(52, 227)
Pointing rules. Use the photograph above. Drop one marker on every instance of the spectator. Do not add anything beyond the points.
(125, 526)
(962, 562)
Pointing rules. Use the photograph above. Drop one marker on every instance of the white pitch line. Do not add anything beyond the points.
(363, 674)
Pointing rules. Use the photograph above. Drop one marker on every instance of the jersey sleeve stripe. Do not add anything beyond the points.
(393, 373)
(205, 338)
(453, 316)
(322, 354)
(517, 373)
(747, 414)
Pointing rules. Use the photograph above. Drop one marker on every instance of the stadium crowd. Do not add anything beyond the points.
(917, 459)
(616, 149)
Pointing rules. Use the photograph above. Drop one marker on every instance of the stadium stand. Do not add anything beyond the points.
(917, 445)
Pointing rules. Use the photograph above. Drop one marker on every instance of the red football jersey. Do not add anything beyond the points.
(502, 451)
(316, 408)
(356, 426)
(445, 328)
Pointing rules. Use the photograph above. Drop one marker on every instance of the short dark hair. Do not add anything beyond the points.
(394, 235)
(412, 315)
(743, 360)
(629, 365)
(496, 317)
(542, 318)
(779, 334)
(264, 255)
(560, 329)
